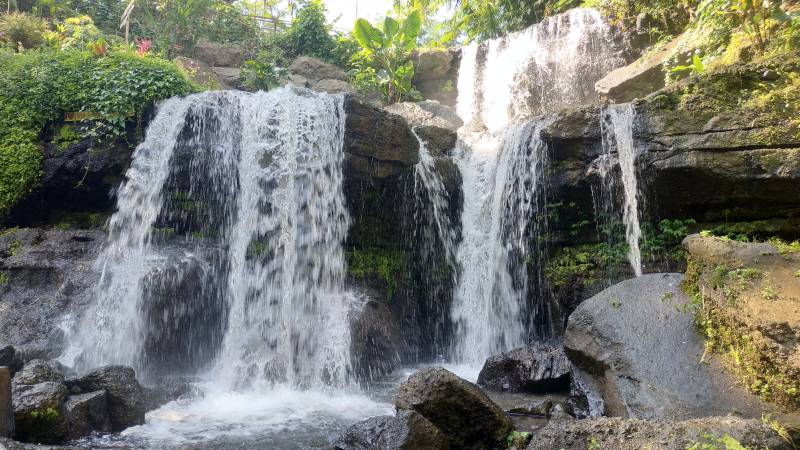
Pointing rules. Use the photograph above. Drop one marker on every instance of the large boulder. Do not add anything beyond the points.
(375, 340)
(6, 405)
(457, 407)
(125, 394)
(87, 413)
(536, 368)
(217, 54)
(39, 412)
(407, 430)
(631, 434)
(436, 74)
(427, 113)
(644, 354)
(200, 72)
(310, 72)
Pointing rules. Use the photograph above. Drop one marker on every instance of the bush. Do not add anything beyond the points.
(38, 87)
(78, 33)
(22, 30)
(261, 73)
(309, 35)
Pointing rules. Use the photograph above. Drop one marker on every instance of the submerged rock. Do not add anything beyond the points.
(644, 354)
(457, 407)
(126, 405)
(536, 368)
(375, 341)
(408, 430)
(629, 434)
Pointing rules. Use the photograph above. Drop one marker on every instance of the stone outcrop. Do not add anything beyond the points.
(536, 368)
(751, 302)
(630, 434)
(86, 413)
(407, 430)
(644, 354)
(200, 72)
(436, 74)
(217, 54)
(49, 273)
(39, 412)
(306, 71)
(458, 408)
(638, 79)
(228, 76)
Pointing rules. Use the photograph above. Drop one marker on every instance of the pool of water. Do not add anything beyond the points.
(279, 418)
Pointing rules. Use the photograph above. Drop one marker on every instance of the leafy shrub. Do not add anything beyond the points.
(309, 34)
(38, 87)
(78, 33)
(389, 52)
(22, 30)
(261, 73)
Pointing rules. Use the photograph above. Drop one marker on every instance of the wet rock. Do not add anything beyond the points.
(375, 341)
(219, 54)
(378, 144)
(126, 405)
(40, 371)
(439, 141)
(407, 430)
(644, 354)
(39, 413)
(167, 391)
(436, 74)
(229, 76)
(537, 368)
(332, 86)
(584, 399)
(6, 405)
(50, 275)
(432, 63)
(558, 412)
(87, 413)
(457, 407)
(630, 434)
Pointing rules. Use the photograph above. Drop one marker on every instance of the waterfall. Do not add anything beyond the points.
(226, 248)
(619, 152)
(504, 85)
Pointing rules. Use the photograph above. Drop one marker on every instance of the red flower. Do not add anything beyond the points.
(143, 46)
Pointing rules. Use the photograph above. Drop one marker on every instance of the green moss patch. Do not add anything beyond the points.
(388, 265)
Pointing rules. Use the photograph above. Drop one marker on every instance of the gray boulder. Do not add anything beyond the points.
(537, 368)
(314, 69)
(39, 371)
(643, 354)
(6, 405)
(631, 434)
(535, 408)
(9, 357)
(87, 413)
(39, 413)
(407, 430)
(457, 407)
(126, 405)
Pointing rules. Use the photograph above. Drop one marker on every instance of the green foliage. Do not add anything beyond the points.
(584, 264)
(38, 87)
(3, 278)
(309, 34)
(261, 73)
(22, 30)
(482, 19)
(388, 51)
(785, 248)
(709, 442)
(385, 264)
(78, 33)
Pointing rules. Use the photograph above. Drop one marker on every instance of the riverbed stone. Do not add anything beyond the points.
(126, 405)
(407, 430)
(537, 368)
(86, 413)
(39, 371)
(457, 407)
(644, 354)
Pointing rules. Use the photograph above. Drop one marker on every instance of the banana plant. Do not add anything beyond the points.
(389, 49)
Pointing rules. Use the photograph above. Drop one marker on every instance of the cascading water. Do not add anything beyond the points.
(502, 84)
(617, 131)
